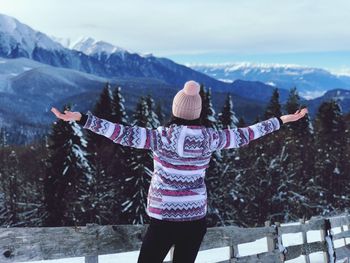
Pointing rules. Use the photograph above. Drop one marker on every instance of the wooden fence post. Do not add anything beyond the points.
(279, 242)
(270, 240)
(91, 259)
(304, 236)
(324, 235)
(323, 238)
(342, 230)
(233, 253)
(349, 230)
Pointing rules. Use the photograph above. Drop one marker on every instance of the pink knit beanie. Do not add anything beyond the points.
(187, 103)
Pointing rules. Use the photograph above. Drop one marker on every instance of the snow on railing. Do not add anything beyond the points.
(25, 244)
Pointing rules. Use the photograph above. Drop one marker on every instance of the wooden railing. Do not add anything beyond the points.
(25, 244)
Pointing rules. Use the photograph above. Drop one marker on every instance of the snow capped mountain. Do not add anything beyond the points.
(65, 42)
(18, 38)
(92, 47)
(311, 82)
(105, 60)
(247, 68)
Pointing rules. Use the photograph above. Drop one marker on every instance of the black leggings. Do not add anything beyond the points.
(187, 237)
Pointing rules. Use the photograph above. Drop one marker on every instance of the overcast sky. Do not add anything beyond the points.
(202, 30)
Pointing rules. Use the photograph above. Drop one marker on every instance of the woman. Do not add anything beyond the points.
(177, 197)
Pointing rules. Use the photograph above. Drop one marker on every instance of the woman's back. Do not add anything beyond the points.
(177, 190)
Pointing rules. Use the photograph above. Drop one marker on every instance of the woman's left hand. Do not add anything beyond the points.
(68, 115)
(294, 117)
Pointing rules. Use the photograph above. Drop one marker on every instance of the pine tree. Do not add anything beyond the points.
(99, 146)
(227, 119)
(67, 167)
(4, 215)
(117, 107)
(107, 160)
(160, 113)
(259, 173)
(298, 167)
(17, 196)
(241, 122)
(3, 137)
(111, 181)
(273, 109)
(12, 186)
(141, 166)
(207, 115)
(153, 119)
(251, 190)
(330, 154)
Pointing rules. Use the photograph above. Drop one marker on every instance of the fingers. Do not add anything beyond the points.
(56, 112)
(302, 111)
(59, 114)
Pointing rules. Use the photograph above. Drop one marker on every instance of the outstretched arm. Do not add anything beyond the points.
(237, 137)
(132, 136)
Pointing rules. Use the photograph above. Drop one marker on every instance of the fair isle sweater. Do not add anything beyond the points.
(181, 155)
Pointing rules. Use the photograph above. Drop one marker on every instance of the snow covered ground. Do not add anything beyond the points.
(220, 254)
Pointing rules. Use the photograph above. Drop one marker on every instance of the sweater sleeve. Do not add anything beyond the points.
(132, 136)
(238, 137)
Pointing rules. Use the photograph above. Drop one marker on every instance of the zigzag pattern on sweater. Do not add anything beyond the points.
(265, 127)
(184, 205)
(129, 136)
(177, 160)
(169, 138)
(182, 219)
(241, 137)
(177, 191)
(180, 182)
(162, 191)
(99, 126)
(183, 212)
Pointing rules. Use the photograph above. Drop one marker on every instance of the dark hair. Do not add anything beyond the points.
(179, 121)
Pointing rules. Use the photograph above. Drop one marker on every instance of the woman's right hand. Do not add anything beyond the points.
(67, 115)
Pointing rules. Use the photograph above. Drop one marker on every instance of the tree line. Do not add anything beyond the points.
(74, 176)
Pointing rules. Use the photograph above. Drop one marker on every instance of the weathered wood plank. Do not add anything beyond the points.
(313, 224)
(338, 221)
(268, 257)
(40, 243)
(271, 244)
(342, 252)
(232, 235)
(343, 234)
(304, 237)
(304, 249)
(323, 239)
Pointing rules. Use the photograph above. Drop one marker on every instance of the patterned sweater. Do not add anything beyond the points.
(181, 155)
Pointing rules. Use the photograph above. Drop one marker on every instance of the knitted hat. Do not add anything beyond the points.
(187, 103)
